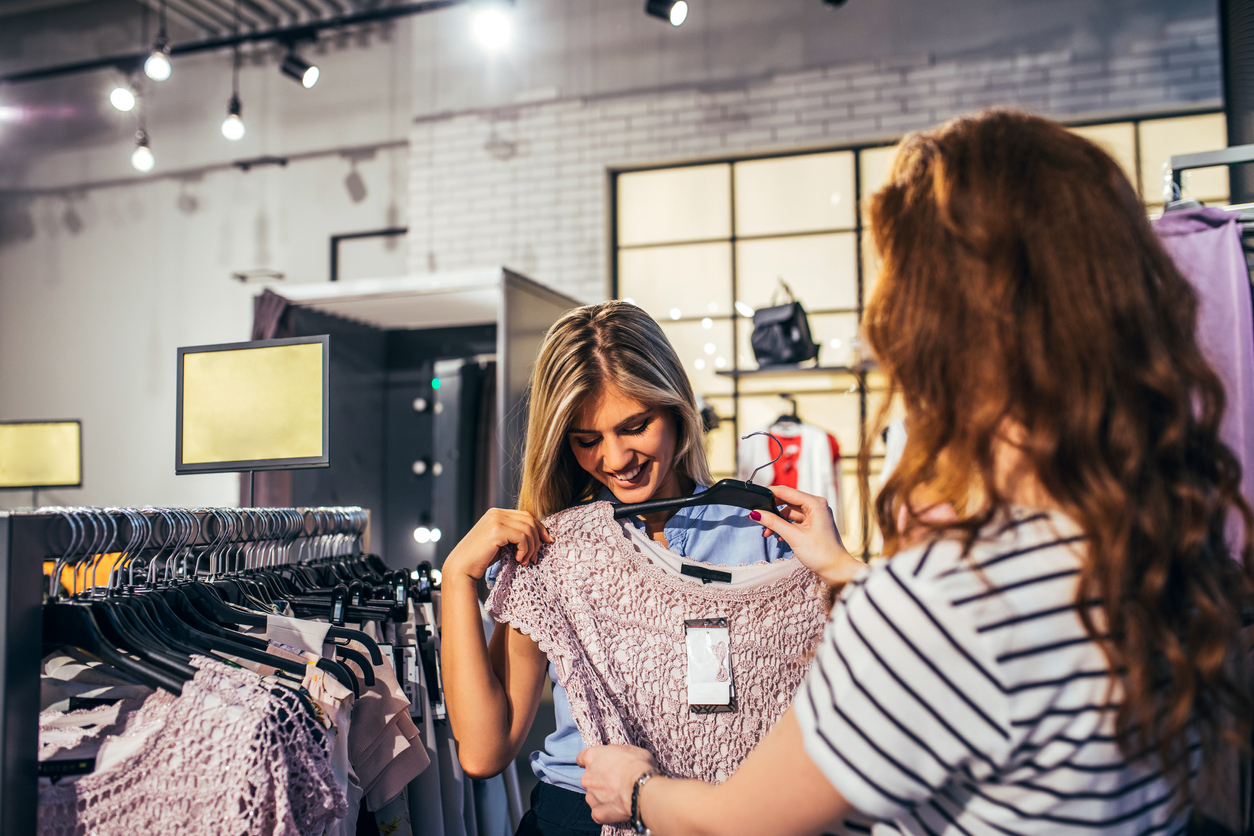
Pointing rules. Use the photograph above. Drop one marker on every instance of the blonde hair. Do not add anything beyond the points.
(589, 348)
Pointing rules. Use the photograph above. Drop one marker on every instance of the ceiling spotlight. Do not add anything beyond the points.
(493, 27)
(233, 125)
(157, 66)
(356, 186)
(676, 11)
(122, 97)
(142, 158)
(297, 68)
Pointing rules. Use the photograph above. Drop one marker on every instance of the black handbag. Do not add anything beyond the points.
(781, 333)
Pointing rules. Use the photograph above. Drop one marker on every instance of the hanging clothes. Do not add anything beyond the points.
(1206, 246)
(356, 705)
(810, 461)
(228, 755)
(609, 611)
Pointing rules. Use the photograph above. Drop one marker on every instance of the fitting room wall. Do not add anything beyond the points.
(505, 163)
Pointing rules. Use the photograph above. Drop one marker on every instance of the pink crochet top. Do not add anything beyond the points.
(612, 621)
(229, 757)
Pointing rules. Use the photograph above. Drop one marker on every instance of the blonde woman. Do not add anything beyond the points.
(612, 416)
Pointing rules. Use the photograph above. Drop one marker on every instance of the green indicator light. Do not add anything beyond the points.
(435, 383)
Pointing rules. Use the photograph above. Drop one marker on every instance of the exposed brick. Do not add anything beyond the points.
(1133, 63)
(878, 108)
(544, 210)
(1200, 26)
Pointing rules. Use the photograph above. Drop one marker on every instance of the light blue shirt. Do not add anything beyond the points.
(715, 534)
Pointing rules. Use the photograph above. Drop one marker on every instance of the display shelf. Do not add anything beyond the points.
(736, 374)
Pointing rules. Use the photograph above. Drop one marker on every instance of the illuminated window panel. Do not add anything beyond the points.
(704, 352)
(820, 269)
(870, 266)
(835, 334)
(721, 449)
(1163, 138)
(692, 203)
(1117, 139)
(804, 193)
(874, 401)
(683, 281)
(875, 164)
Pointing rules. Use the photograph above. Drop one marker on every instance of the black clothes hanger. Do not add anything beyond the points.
(187, 598)
(788, 417)
(73, 625)
(723, 492)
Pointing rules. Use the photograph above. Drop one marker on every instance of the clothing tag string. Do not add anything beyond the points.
(778, 455)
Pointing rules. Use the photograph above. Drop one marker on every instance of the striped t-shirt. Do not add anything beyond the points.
(962, 695)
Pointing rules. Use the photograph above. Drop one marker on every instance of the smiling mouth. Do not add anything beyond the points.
(627, 477)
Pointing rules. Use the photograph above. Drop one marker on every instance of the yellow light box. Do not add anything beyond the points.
(41, 454)
(260, 405)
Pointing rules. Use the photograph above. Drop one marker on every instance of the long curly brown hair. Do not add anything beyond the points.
(1025, 300)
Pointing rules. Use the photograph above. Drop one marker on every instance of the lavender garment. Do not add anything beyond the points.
(1206, 246)
(611, 620)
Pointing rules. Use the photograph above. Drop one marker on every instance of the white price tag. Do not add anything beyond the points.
(710, 688)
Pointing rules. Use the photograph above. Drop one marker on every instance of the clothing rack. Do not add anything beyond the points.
(28, 539)
(1180, 163)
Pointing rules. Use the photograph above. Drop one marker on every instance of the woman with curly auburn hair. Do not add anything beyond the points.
(1061, 652)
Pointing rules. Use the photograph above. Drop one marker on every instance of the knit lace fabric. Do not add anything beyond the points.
(231, 756)
(613, 623)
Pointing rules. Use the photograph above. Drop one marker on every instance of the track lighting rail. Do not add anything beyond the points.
(284, 35)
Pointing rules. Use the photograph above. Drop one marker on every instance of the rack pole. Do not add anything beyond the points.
(23, 545)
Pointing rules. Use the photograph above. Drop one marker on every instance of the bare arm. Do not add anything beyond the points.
(777, 791)
(492, 691)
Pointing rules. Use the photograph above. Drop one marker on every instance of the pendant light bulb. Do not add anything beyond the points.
(122, 98)
(142, 158)
(233, 125)
(157, 67)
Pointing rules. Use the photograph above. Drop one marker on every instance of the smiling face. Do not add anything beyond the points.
(627, 446)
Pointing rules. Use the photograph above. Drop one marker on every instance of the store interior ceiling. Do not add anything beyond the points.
(563, 48)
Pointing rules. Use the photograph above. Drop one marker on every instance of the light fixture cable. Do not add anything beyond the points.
(233, 125)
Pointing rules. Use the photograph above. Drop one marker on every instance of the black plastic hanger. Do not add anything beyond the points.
(789, 417)
(723, 492)
(72, 625)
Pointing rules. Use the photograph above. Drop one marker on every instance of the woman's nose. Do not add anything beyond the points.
(618, 455)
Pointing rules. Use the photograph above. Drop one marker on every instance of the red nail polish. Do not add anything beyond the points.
(755, 516)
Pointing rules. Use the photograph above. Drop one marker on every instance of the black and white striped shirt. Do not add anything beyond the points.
(962, 695)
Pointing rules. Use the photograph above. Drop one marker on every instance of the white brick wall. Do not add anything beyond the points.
(527, 186)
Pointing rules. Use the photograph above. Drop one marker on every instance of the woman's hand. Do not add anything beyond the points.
(806, 524)
(497, 529)
(609, 774)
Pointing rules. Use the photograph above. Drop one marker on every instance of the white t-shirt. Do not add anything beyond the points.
(963, 695)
